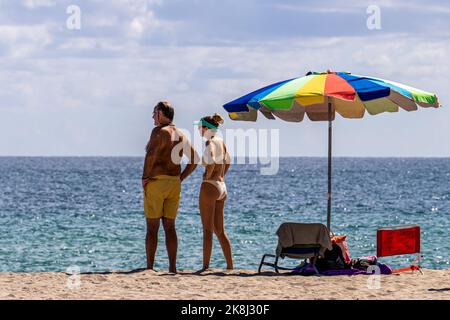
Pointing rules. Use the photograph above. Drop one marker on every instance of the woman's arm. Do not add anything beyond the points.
(227, 160)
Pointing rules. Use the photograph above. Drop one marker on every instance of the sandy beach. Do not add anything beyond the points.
(219, 284)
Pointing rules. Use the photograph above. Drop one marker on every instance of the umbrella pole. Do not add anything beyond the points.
(330, 127)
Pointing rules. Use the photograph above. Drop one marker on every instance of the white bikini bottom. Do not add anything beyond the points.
(220, 186)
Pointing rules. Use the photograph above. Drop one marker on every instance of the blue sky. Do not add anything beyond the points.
(91, 91)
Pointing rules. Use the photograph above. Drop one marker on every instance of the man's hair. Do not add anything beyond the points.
(166, 109)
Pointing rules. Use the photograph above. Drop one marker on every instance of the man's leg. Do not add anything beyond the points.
(171, 243)
(151, 241)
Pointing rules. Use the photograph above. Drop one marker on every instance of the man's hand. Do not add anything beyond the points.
(145, 181)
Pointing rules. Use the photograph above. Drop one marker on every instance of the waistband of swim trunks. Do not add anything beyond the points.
(166, 177)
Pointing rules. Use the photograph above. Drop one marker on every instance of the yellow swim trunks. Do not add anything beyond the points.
(162, 197)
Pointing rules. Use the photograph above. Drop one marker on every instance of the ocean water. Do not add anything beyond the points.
(60, 213)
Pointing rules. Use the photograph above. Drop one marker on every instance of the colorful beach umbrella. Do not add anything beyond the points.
(321, 95)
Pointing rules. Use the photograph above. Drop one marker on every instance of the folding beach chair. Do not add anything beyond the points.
(299, 241)
(400, 240)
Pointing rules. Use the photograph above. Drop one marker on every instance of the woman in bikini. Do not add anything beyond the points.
(213, 191)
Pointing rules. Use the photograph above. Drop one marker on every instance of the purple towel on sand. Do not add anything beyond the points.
(342, 272)
(309, 270)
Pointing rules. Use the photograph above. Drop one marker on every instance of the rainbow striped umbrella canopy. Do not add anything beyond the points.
(349, 95)
(321, 95)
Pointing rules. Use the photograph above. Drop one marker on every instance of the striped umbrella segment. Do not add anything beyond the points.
(349, 95)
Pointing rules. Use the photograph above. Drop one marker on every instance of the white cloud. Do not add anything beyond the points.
(33, 4)
(79, 46)
(24, 41)
(137, 27)
(136, 6)
(413, 6)
(146, 23)
(358, 6)
(102, 21)
(345, 8)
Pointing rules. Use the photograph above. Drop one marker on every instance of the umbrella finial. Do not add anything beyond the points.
(330, 71)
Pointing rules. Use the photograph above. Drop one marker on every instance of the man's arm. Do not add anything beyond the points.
(152, 150)
(192, 164)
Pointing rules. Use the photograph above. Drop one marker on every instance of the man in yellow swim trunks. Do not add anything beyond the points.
(161, 181)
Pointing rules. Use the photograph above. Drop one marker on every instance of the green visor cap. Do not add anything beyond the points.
(205, 124)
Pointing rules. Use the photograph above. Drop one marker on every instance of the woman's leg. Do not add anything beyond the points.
(219, 230)
(207, 202)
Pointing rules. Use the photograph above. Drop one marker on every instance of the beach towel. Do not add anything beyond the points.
(309, 271)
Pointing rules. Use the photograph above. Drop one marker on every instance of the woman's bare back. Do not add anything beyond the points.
(218, 160)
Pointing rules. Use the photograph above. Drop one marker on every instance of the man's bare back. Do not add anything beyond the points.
(158, 160)
(165, 151)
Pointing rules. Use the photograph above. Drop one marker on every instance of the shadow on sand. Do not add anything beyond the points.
(110, 272)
